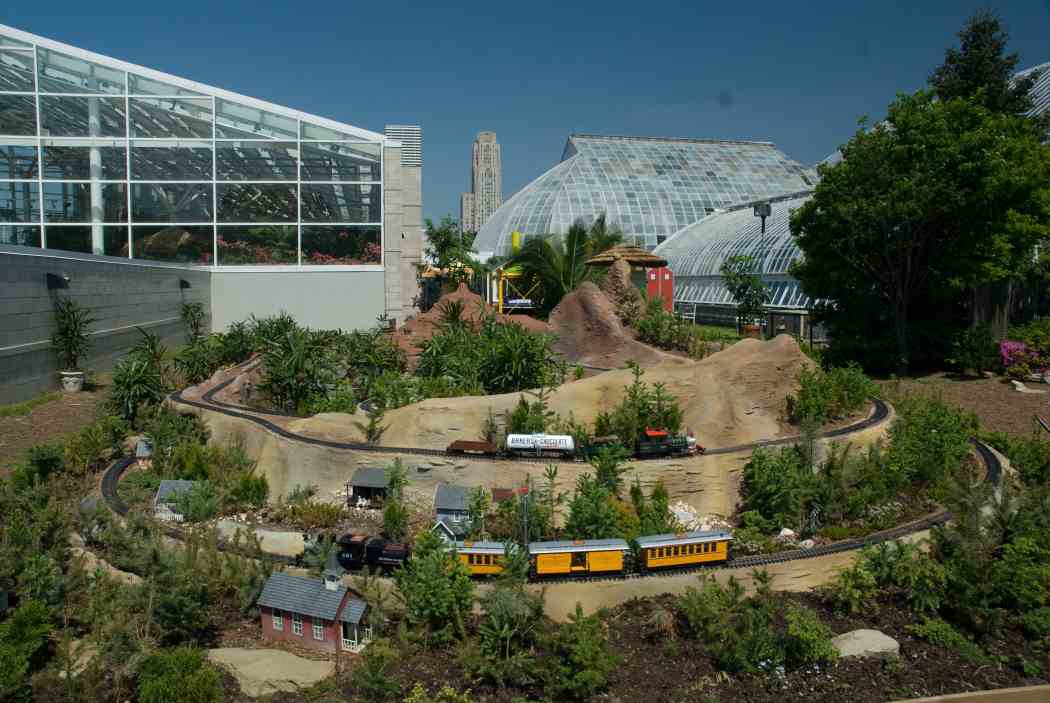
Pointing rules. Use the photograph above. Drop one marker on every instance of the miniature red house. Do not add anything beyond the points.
(315, 613)
(660, 283)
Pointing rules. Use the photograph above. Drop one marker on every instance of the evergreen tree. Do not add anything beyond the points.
(580, 660)
(436, 590)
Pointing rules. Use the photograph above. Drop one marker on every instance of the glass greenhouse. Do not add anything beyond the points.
(649, 188)
(103, 157)
(697, 252)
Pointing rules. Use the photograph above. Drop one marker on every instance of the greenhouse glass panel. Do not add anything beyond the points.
(20, 235)
(16, 71)
(171, 161)
(234, 120)
(17, 115)
(18, 161)
(11, 43)
(258, 244)
(171, 118)
(141, 85)
(72, 202)
(256, 161)
(63, 116)
(68, 161)
(178, 243)
(172, 202)
(76, 239)
(341, 203)
(342, 245)
(59, 73)
(333, 161)
(318, 133)
(19, 201)
(257, 202)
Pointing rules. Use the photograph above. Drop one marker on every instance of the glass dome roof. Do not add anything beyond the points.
(649, 188)
(696, 253)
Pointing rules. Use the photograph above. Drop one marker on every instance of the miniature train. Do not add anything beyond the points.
(606, 557)
(651, 443)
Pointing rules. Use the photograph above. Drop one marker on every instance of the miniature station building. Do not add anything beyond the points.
(649, 272)
(450, 507)
(165, 504)
(319, 613)
(368, 485)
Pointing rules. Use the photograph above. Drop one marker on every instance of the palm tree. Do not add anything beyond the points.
(558, 263)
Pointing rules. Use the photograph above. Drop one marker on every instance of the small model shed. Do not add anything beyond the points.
(368, 485)
(165, 504)
(450, 504)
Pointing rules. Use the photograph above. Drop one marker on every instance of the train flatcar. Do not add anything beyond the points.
(468, 446)
(482, 558)
(683, 549)
(541, 444)
(578, 557)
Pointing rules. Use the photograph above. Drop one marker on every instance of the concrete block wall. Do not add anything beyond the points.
(121, 295)
(392, 206)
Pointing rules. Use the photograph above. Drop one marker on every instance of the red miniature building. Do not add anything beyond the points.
(660, 284)
(316, 613)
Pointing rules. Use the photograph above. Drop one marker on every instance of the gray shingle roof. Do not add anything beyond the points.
(353, 612)
(370, 477)
(301, 595)
(449, 497)
(169, 488)
(684, 538)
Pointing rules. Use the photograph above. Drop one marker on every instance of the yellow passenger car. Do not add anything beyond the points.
(481, 558)
(683, 549)
(585, 556)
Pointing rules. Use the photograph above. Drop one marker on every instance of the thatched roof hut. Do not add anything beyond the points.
(635, 256)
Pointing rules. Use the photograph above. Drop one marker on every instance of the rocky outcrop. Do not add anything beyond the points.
(866, 643)
(626, 298)
(261, 672)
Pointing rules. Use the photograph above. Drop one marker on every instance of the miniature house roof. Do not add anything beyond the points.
(308, 596)
(450, 498)
(635, 256)
(143, 449)
(370, 477)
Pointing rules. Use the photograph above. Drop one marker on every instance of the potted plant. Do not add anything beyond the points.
(70, 341)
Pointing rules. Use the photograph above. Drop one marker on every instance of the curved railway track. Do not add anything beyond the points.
(880, 412)
(993, 469)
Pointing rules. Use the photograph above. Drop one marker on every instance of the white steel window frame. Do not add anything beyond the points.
(318, 629)
(297, 624)
(356, 136)
(277, 619)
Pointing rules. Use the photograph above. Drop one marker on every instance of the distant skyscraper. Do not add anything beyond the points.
(486, 182)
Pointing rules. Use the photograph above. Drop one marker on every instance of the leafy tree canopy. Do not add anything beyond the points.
(749, 291)
(939, 197)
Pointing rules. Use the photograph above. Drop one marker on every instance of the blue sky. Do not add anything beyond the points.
(797, 74)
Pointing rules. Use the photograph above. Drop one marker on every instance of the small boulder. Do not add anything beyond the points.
(866, 643)
(786, 534)
(807, 544)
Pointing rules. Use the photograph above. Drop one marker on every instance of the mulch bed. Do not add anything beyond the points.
(998, 406)
(50, 422)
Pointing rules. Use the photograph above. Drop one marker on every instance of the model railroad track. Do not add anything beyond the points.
(993, 471)
(881, 411)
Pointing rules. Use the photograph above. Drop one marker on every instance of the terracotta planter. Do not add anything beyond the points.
(72, 381)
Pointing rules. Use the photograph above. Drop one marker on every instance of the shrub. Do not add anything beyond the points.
(973, 350)
(822, 396)
(296, 368)
(1036, 623)
(642, 406)
(200, 503)
(371, 678)
(70, 340)
(777, 485)
(308, 515)
(1029, 457)
(854, 590)
(666, 330)
(527, 418)
(807, 640)
(929, 439)
(436, 589)
(235, 345)
(198, 360)
(192, 315)
(249, 491)
(446, 694)
(40, 463)
(579, 660)
(342, 399)
(938, 632)
(182, 675)
(23, 646)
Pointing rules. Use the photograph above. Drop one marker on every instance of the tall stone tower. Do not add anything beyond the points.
(486, 183)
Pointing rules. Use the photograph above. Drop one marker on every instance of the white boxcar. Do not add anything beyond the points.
(520, 443)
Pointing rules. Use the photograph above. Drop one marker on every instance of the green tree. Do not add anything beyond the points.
(981, 68)
(436, 590)
(609, 464)
(182, 675)
(477, 509)
(451, 250)
(580, 661)
(395, 512)
(23, 643)
(372, 677)
(594, 512)
(935, 199)
(745, 285)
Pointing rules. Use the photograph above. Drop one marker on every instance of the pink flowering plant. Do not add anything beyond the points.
(1019, 360)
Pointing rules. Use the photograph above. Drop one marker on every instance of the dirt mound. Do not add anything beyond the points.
(590, 333)
(411, 335)
(732, 397)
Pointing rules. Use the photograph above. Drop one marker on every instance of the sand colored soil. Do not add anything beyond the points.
(590, 333)
(411, 335)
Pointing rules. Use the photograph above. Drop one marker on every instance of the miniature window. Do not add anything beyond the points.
(318, 631)
(297, 624)
(278, 620)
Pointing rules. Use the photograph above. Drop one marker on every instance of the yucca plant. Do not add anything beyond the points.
(70, 339)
